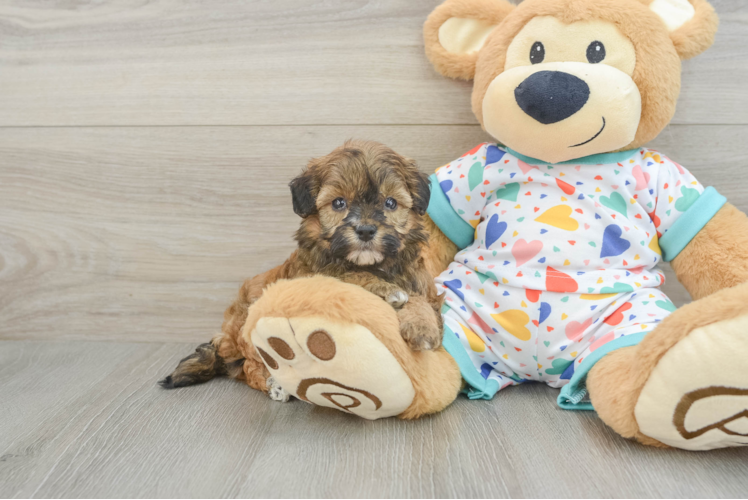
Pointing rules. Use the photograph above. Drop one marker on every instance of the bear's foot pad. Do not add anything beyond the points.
(697, 396)
(333, 364)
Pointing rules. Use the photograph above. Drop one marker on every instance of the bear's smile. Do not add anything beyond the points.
(592, 138)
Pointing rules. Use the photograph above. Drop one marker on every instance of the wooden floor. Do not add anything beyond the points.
(85, 419)
(145, 152)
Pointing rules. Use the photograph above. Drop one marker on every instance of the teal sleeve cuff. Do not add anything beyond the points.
(441, 212)
(690, 223)
(573, 395)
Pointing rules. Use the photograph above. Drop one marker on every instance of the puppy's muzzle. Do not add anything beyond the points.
(366, 232)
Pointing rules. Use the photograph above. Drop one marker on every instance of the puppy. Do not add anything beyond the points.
(362, 208)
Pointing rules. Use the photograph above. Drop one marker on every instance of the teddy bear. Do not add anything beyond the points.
(547, 244)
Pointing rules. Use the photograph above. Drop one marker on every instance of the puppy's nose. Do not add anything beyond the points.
(366, 232)
(551, 96)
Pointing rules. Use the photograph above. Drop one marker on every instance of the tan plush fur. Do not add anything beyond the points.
(717, 257)
(434, 374)
(696, 35)
(658, 53)
(616, 381)
(461, 66)
(715, 264)
(657, 70)
(714, 269)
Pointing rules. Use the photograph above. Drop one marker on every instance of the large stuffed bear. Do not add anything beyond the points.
(547, 245)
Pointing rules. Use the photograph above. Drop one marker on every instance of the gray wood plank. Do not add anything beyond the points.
(284, 62)
(146, 233)
(82, 419)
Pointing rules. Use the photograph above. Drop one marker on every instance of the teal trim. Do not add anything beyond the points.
(598, 159)
(479, 387)
(441, 212)
(690, 223)
(573, 393)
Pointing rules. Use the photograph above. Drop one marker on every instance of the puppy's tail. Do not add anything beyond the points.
(202, 365)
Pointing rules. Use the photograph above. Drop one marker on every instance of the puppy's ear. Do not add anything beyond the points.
(420, 191)
(302, 194)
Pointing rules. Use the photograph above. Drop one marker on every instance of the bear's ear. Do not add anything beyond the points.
(455, 32)
(692, 24)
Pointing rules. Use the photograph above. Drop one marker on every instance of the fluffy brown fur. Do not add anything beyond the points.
(363, 176)
(363, 208)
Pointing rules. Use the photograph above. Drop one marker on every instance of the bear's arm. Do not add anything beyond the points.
(717, 257)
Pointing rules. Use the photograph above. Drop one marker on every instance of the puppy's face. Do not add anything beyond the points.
(362, 203)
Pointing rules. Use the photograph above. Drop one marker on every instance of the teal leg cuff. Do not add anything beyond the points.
(573, 395)
(478, 387)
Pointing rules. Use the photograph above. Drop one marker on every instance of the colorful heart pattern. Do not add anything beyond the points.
(560, 217)
(613, 245)
(543, 340)
(515, 322)
(564, 259)
(522, 251)
(494, 230)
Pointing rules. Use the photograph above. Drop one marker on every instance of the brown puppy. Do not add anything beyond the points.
(363, 209)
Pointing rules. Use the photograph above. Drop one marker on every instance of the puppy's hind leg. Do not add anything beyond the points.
(202, 365)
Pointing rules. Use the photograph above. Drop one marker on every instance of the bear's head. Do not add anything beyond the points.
(562, 79)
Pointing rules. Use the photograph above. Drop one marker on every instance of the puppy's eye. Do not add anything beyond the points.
(390, 203)
(339, 204)
(537, 53)
(595, 52)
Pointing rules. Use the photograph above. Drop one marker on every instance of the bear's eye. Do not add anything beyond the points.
(390, 203)
(338, 204)
(537, 53)
(595, 52)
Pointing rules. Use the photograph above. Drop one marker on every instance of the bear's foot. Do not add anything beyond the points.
(696, 398)
(686, 384)
(334, 364)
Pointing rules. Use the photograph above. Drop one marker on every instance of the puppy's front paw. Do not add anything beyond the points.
(397, 299)
(276, 392)
(420, 337)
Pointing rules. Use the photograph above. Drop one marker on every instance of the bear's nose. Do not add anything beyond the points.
(551, 96)
(366, 232)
